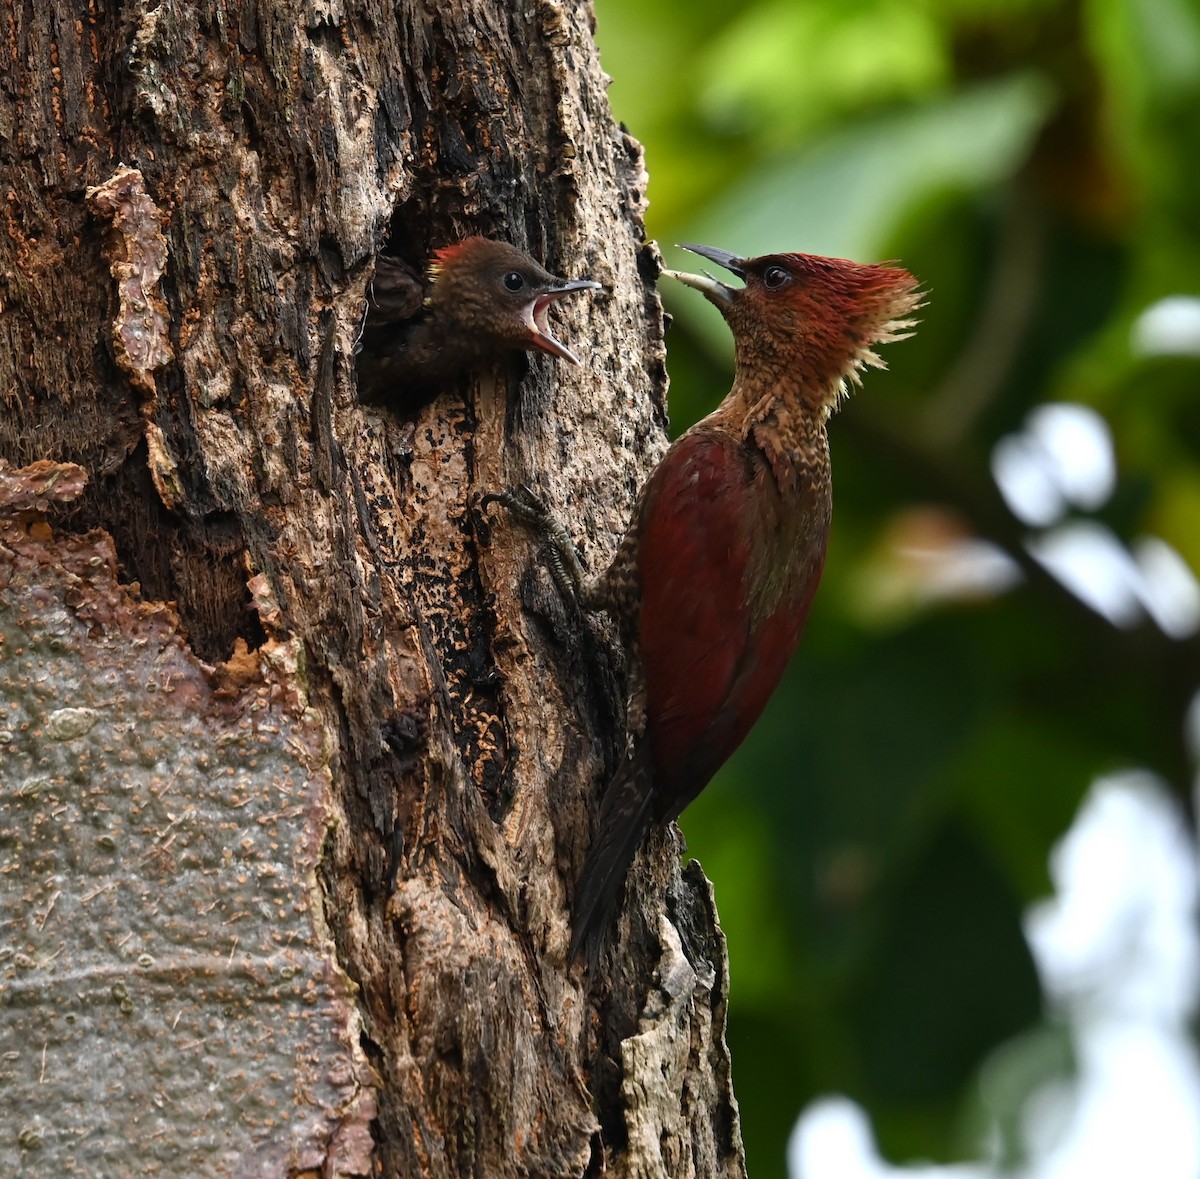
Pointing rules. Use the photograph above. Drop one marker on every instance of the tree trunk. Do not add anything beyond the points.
(299, 753)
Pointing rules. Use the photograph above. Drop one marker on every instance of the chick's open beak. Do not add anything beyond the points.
(537, 320)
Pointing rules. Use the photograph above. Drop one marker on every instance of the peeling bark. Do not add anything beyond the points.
(342, 734)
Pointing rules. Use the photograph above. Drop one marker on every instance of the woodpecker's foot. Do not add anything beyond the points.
(562, 558)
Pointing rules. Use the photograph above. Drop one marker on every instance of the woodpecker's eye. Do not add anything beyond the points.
(775, 277)
(513, 281)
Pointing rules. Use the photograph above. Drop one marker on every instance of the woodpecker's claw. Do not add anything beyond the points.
(562, 558)
(524, 503)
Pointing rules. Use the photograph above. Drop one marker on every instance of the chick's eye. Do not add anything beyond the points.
(513, 281)
(775, 277)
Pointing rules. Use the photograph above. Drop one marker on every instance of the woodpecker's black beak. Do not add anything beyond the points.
(713, 290)
(722, 258)
(575, 284)
(539, 326)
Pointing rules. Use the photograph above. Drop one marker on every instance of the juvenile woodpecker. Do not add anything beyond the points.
(477, 300)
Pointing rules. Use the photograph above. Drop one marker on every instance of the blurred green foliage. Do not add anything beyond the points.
(1036, 163)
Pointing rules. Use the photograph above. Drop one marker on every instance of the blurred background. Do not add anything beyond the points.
(955, 859)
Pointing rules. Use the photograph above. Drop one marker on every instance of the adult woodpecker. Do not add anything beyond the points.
(477, 300)
(712, 583)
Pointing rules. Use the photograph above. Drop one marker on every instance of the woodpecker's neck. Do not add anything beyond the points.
(439, 346)
(810, 373)
(786, 423)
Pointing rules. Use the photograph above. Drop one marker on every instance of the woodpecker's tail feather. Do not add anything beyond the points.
(626, 811)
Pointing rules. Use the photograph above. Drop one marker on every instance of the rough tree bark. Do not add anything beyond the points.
(298, 756)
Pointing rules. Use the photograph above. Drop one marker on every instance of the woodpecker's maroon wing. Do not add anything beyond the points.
(767, 653)
(717, 625)
(715, 638)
